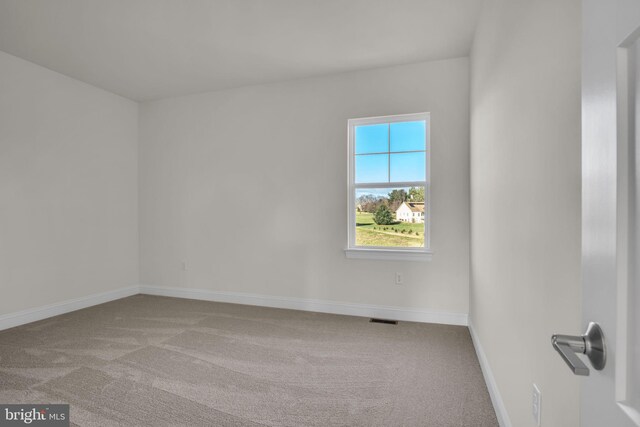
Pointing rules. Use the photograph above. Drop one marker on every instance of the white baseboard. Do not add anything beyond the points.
(351, 309)
(333, 307)
(34, 314)
(494, 392)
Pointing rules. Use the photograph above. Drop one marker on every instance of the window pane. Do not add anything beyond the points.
(390, 217)
(408, 167)
(408, 136)
(372, 168)
(372, 138)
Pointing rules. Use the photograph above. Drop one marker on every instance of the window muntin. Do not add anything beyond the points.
(388, 160)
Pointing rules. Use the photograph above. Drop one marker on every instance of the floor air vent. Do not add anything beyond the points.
(385, 321)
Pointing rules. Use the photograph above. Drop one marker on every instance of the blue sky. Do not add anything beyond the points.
(390, 142)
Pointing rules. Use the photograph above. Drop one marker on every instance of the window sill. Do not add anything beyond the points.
(388, 254)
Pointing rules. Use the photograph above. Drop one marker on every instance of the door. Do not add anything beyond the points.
(610, 217)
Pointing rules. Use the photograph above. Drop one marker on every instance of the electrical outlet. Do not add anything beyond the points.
(536, 408)
(399, 279)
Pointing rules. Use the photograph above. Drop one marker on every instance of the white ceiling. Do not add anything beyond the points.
(149, 49)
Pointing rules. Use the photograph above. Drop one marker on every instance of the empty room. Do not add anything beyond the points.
(319, 213)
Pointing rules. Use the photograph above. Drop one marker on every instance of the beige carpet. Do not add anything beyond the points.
(158, 361)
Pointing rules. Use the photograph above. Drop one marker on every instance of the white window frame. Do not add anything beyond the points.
(386, 252)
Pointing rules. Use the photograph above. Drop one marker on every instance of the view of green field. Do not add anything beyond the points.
(368, 233)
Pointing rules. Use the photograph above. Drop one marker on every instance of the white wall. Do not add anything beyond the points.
(525, 200)
(248, 187)
(68, 188)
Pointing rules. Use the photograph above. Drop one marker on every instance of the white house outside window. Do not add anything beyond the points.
(388, 206)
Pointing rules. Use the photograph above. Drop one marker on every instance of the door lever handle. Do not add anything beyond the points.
(568, 346)
(591, 344)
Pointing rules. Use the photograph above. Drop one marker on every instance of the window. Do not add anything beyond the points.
(388, 187)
